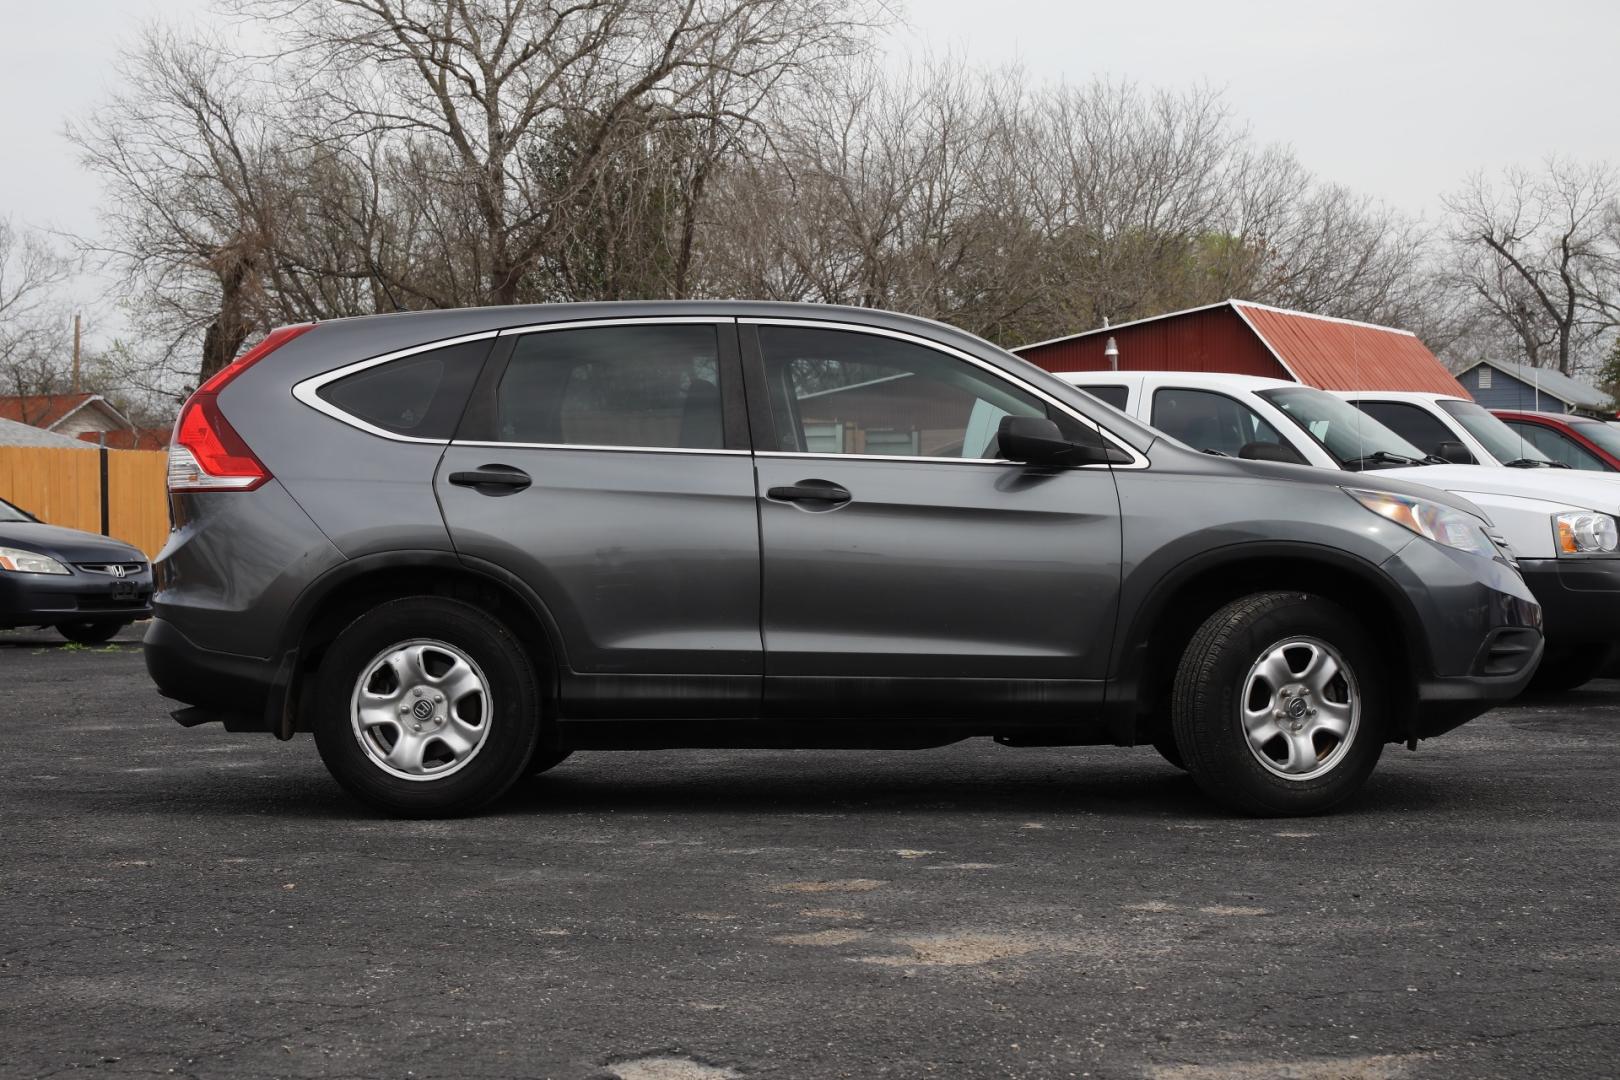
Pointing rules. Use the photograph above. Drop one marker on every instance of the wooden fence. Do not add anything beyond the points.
(62, 486)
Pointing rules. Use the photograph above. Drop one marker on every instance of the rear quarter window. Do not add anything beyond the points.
(421, 396)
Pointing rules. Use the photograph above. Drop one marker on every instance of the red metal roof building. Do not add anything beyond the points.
(1245, 338)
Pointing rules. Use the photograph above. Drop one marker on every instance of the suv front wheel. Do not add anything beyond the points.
(427, 707)
(1279, 704)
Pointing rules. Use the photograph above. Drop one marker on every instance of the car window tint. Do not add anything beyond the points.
(655, 386)
(1558, 446)
(1205, 420)
(1116, 396)
(1414, 424)
(844, 392)
(421, 395)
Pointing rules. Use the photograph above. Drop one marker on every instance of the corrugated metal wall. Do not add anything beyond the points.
(1211, 340)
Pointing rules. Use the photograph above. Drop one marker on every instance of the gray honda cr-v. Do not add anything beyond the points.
(458, 545)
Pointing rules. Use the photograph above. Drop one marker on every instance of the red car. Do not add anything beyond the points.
(1578, 441)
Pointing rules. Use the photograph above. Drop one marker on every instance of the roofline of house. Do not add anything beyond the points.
(1231, 302)
(1540, 389)
(86, 403)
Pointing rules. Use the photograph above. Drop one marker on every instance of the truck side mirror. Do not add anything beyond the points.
(1454, 452)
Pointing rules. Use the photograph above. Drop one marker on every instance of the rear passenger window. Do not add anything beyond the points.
(654, 386)
(421, 395)
(1116, 396)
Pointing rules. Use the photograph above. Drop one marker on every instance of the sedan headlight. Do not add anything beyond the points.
(19, 561)
(1441, 524)
(1581, 532)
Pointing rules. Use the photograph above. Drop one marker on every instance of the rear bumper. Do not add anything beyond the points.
(1580, 598)
(245, 693)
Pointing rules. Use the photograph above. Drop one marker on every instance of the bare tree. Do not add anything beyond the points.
(1539, 253)
(473, 85)
(34, 321)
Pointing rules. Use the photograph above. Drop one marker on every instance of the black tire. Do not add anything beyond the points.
(1568, 667)
(1208, 698)
(1164, 741)
(513, 719)
(93, 632)
(546, 760)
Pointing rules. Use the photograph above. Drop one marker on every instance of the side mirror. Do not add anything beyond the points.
(1269, 451)
(1036, 440)
(1454, 452)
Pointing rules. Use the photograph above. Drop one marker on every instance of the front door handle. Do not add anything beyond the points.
(812, 491)
(493, 479)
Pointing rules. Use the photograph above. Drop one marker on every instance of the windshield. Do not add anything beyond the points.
(11, 513)
(1350, 435)
(1603, 434)
(1500, 441)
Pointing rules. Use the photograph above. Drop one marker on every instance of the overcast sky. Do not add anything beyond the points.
(1397, 98)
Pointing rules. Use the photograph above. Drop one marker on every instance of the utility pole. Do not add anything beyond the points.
(76, 387)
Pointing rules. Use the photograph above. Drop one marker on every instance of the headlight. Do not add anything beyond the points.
(1441, 524)
(1580, 532)
(19, 561)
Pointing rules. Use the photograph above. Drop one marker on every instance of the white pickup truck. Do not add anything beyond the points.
(1456, 429)
(1559, 523)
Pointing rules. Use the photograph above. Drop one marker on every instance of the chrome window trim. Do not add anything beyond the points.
(1138, 461)
(307, 390)
(595, 446)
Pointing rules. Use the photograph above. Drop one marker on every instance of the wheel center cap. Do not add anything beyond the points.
(1296, 709)
(422, 709)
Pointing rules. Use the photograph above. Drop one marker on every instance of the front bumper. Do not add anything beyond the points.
(1481, 628)
(1580, 598)
(80, 596)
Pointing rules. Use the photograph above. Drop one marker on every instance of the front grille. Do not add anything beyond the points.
(123, 569)
(1507, 652)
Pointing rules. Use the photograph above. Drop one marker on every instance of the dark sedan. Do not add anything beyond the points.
(89, 587)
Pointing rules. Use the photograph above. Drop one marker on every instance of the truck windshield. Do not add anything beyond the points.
(1355, 440)
(1503, 443)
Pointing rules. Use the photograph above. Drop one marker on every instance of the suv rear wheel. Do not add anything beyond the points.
(1278, 704)
(427, 707)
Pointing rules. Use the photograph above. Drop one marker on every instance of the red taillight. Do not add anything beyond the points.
(206, 453)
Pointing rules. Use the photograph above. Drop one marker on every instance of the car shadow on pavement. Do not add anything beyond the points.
(608, 783)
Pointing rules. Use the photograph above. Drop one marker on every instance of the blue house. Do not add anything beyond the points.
(1500, 384)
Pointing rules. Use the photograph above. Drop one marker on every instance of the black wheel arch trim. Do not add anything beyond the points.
(1126, 704)
(302, 613)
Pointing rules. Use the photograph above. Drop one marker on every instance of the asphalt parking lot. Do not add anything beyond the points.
(194, 903)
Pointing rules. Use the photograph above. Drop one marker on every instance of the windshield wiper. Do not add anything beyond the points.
(1212, 452)
(1532, 463)
(1382, 457)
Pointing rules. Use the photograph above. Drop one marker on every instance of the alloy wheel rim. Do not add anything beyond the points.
(421, 709)
(1301, 708)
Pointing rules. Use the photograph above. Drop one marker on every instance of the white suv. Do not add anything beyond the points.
(1559, 523)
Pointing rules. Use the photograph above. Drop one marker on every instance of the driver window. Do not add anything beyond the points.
(845, 392)
(1208, 421)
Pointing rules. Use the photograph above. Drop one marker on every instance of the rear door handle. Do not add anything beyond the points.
(816, 491)
(493, 479)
